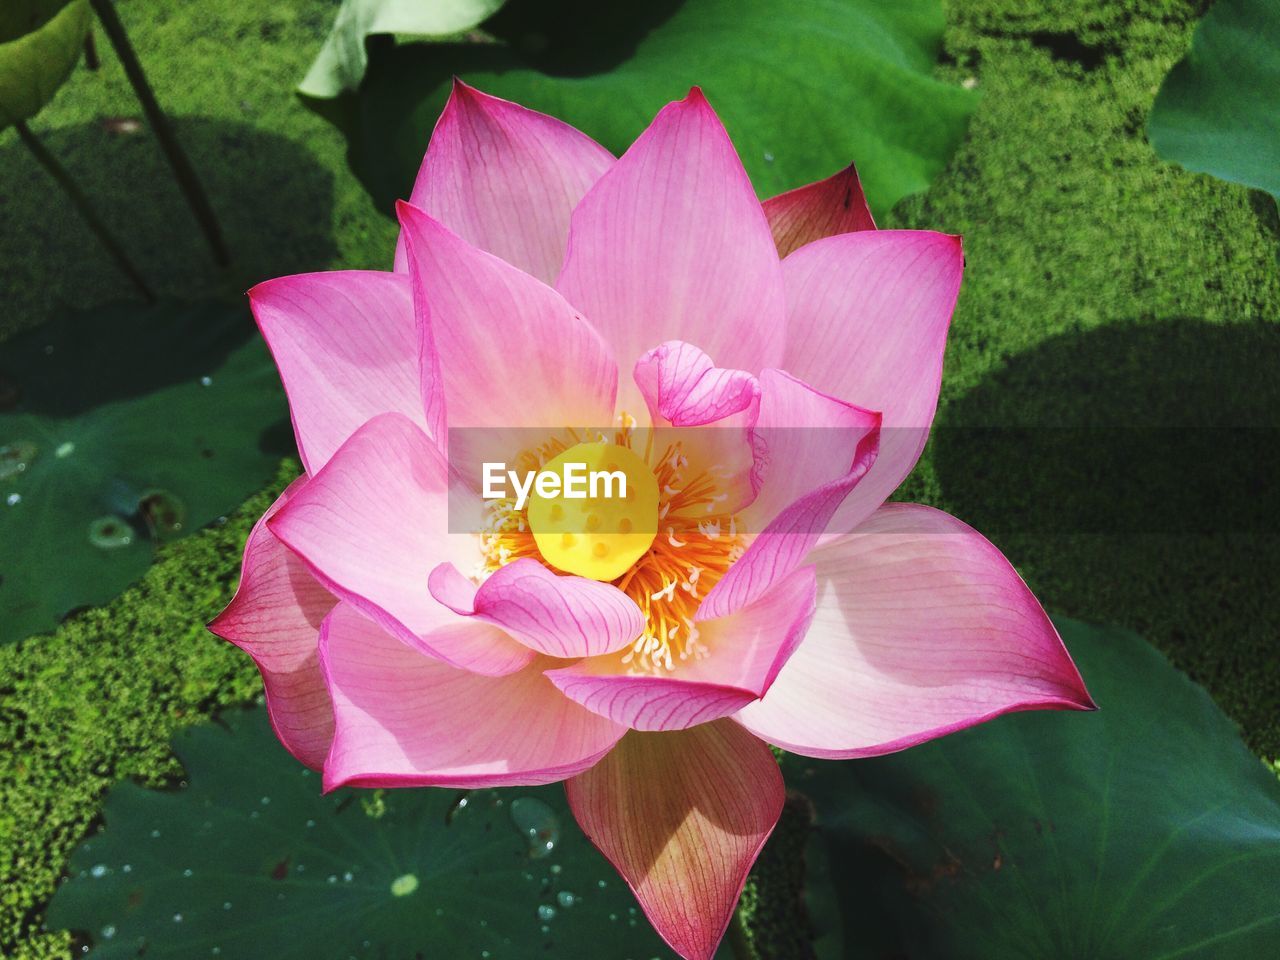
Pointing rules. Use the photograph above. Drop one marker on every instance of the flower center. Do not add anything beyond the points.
(666, 574)
(602, 534)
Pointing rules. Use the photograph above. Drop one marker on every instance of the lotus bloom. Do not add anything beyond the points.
(763, 374)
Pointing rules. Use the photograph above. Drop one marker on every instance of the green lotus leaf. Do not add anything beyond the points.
(121, 428)
(1143, 830)
(1218, 111)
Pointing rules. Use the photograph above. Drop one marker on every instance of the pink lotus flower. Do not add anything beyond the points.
(781, 600)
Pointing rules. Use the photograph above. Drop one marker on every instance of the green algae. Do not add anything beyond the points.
(1097, 276)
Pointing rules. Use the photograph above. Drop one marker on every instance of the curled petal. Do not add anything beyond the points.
(922, 628)
(683, 391)
(682, 816)
(823, 209)
(816, 450)
(407, 720)
(744, 653)
(671, 242)
(275, 617)
(374, 523)
(560, 616)
(346, 343)
(506, 179)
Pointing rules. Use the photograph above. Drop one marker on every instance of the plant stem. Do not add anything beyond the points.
(91, 60)
(182, 169)
(737, 937)
(84, 207)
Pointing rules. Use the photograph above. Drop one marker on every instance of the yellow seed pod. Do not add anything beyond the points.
(601, 533)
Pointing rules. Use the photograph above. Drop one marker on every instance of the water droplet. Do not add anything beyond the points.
(545, 929)
(537, 823)
(127, 868)
(348, 876)
(566, 899)
(110, 533)
(485, 954)
(333, 878)
(206, 381)
(226, 904)
(187, 872)
(65, 450)
(16, 457)
(98, 870)
(458, 806)
(13, 499)
(177, 918)
(108, 932)
(546, 911)
(404, 885)
(310, 824)
(768, 157)
(164, 513)
(556, 868)
(601, 884)
(155, 834)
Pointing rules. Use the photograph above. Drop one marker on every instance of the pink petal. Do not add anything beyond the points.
(867, 317)
(373, 524)
(672, 243)
(275, 617)
(682, 816)
(681, 386)
(922, 628)
(346, 344)
(823, 209)
(407, 720)
(506, 179)
(684, 389)
(746, 651)
(817, 449)
(555, 615)
(512, 353)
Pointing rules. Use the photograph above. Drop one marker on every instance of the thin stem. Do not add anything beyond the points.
(182, 169)
(737, 937)
(91, 60)
(85, 208)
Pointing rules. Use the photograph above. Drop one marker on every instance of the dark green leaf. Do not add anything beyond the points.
(1145, 830)
(40, 41)
(250, 862)
(1219, 109)
(340, 64)
(803, 92)
(121, 427)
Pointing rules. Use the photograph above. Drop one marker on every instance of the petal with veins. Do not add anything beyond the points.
(374, 523)
(506, 179)
(346, 344)
(867, 319)
(275, 617)
(823, 209)
(682, 816)
(672, 243)
(922, 628)
(560, 616)
(744, 653)
(407, 720)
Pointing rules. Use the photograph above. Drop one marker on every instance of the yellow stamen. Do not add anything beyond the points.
(694, 547)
